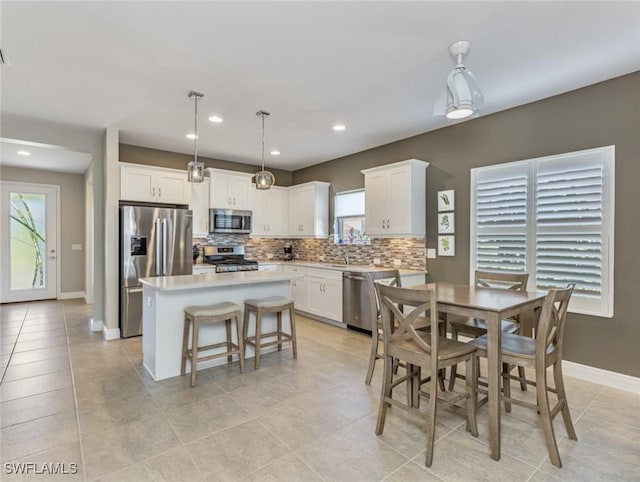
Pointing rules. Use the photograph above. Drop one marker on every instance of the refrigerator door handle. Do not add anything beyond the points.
(164, 247)
(159, 246)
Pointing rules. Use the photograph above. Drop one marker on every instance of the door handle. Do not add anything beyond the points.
(159, 192)
(164, 247)
(158, 234)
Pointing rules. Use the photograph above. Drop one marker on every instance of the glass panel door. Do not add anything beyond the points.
(28, 245)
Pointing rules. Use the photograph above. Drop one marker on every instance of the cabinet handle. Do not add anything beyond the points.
(388, 224)
(159, 192)
(153, 191)
(383, 224)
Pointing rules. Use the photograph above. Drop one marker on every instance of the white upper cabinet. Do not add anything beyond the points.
(229, 190)
(153, 184)
(309, 210)
(270, 212)
(200, 206)
(395, 199)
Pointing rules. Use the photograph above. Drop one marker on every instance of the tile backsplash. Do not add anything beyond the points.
(410, 251)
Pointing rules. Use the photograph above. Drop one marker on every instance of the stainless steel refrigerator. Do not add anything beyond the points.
(155, 240)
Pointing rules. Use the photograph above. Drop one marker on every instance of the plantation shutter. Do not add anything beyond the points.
(553, 218)
(501, 218)
(570, 227)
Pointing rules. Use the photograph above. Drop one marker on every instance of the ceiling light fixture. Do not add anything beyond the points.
(339, 127)
(24, 153)
(190, 136)
(195, 169)
(215, 118)
(264, 179)
(464, 97)
(275, 152)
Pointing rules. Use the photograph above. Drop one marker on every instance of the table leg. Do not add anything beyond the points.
(493, 360)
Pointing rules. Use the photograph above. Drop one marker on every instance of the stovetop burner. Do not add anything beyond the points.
(228, 259)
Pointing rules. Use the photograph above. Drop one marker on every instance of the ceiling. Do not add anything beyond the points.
(43, 157)
(377, 67)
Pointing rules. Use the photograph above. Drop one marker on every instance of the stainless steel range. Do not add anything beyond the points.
(228, 258)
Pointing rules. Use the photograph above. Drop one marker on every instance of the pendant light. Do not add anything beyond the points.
(264, 179)
(464, 97)
(195, 168)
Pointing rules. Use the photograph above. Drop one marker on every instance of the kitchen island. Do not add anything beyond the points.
(166, 297)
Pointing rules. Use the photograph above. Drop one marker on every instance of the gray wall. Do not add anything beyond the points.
(598, 115)
(72, 220)
(156, 157)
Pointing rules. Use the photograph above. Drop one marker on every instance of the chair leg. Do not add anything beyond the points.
(185, 345)
(471, 377)
(279, 328)
(386, 393)
(245, 327)
(545, 415)
(454, 368)
(240, 333)
(373, 355)
(294, 340)
(506, 386)
(522, 375)
(431, 418)
(229, 341)
(194, 352)
(258, 330)
(562, 395)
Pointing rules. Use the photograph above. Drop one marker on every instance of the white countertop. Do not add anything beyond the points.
(212, 280)
(358, 268)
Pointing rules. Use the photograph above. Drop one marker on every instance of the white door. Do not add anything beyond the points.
(376, 198)
(28, 247)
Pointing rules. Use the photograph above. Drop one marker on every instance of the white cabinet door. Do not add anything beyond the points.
(258, 206)
(172, 187)
(199, 204)
(276, 214)
(298, 287)
(229, 190)
(239, 191)
(395, 199)
(154, 184)
(137, 184)
(376, 208)
(324, 297)
(399, 201)
(296, 207)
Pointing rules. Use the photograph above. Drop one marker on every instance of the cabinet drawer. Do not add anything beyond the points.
(334, 274)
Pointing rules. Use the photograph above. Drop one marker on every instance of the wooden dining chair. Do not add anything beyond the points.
(474, 327)
(540, 353)
(401, 309)
(389, 277)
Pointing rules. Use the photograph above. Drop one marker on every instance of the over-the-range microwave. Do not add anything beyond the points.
(229, 221)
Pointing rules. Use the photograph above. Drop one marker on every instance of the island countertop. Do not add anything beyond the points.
(212, 280)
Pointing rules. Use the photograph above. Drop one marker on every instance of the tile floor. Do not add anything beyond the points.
(69, 397)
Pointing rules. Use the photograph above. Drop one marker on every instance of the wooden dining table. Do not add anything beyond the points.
(492, 305)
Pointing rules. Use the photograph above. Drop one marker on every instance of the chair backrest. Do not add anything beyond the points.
(398, 323)
(389, 277)
(502, 280)
(550, 330)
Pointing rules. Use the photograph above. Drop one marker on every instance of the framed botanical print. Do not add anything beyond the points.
(446, 200)
(446, 245)
(446, 223)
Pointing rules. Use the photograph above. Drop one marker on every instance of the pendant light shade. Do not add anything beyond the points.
(464, 97)
(195, 168)
(264, 179)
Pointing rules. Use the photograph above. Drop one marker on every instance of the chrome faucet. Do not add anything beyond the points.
(346, 259)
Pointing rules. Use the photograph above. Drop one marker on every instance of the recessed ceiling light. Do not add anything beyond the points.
(339, 127)
(191, 136)
(215, 118)
(24, 153)
(275, 152)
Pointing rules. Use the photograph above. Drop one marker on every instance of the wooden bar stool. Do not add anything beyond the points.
(272, 304)
(199, 315)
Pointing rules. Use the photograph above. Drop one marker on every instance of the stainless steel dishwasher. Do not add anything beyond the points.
(356, 311)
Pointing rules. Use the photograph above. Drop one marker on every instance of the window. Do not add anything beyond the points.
(553, 218)
(349, 218)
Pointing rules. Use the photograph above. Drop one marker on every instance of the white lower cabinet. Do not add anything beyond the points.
(325, 297)
(298, 287)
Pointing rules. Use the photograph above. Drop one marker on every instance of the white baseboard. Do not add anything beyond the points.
(87, 300)
(602, 377)
(96, 325)
(111, 333)
(71, 295)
